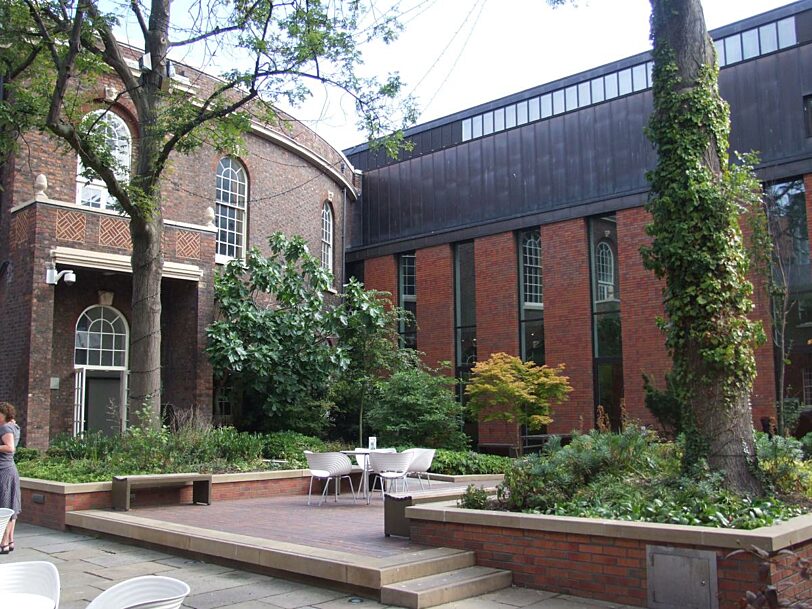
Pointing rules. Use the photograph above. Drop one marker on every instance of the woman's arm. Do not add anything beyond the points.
(8, 443)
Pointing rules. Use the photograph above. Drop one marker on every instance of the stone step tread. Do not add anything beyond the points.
(442, 560)
(445, 587)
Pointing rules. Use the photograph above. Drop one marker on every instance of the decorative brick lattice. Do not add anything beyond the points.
(70, 226)
(187, 244)
(114, 232)
(21, 227)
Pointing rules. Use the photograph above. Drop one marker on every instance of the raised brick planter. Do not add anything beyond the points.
(45, 503)
(606, 559)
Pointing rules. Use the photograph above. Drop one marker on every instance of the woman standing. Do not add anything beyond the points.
(9, 478)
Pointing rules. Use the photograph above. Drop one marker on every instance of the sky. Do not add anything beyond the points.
(455, 54)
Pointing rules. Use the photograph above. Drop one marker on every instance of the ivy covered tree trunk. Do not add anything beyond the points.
(697, 247)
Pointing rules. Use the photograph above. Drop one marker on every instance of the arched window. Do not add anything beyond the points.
(327, 237)
(531, 268)
(605, 271)
(232, 199)
(90, 189)
(101, 338)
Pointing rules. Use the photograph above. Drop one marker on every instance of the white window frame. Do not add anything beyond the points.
(604, 272)
(231, 169)
(531, 259)
(122, 150)
(327, 237)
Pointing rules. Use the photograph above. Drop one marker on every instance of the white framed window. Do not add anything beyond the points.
(91, 191)
(101, 339)
(807, 386)
(532, 289)
(231, 195)
(605, 271)
(327, 237)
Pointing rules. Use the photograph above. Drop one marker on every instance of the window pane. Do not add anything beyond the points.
(466, 129)
(786, 33)
(650, 73)
(476, 126)
(558, 101)
(624, 78)
(499, 119)
(639, 77)
(720, 52)
(487, 123)
(572, 98)
(750, 44)
(533, 341)
(607, 335)
(510, 117)
(584, 95)
(610, 82)
(466, 284)
(533, 109)
(521, 113)
(733, 49)
(546, 105)
(597, 90)
(768, 37)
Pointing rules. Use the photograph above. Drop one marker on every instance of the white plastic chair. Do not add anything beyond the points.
(5, 516)
(38, 576)
(328, 466)
(390, 468)
(421, 463)
(147, 592)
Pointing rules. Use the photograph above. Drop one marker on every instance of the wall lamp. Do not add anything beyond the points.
(52, 277)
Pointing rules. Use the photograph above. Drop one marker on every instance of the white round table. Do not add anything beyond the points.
(24, 600)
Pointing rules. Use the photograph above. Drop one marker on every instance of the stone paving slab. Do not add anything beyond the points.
(81, 562)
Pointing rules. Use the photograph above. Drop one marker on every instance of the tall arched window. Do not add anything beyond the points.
(232, 199)
(605, 271)
(531, 268)
(101, 339)
(327, 237)
(90, 189)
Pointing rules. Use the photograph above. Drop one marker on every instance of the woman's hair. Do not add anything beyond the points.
(7, 410)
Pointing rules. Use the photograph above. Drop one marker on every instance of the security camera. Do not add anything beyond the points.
(52, 277)
(70, 278)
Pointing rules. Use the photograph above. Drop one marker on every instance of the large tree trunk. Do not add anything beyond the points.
(691, 139)
(145, 360)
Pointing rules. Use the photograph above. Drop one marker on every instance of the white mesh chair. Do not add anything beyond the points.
(421, 463)
(38, 577)
(5, 516)
(326, 467)
(389, 467)
(148, 592)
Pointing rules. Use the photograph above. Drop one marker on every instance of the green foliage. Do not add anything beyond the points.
(271, 337)
(417, 406)
(806, 444)
(468, 463)
(289, 446)
(629, 476)
(781, 459)
(474, 498)
(505, 388)
(665, 404)
(25, 454)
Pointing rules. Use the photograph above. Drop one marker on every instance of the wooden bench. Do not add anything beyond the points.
(123, 486)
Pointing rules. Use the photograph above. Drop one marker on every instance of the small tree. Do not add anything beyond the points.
(272, 338)
(505, 388)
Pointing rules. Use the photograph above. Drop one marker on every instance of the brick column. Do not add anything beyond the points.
(434, 268)
(568, 319)
(497, 314)
(382, 274)
(640, 305)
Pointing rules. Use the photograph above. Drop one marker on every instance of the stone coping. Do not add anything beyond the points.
(467, 477)
(770, 539)
(67, 488)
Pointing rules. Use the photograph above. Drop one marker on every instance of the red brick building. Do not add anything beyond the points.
(516, 225)
(64, 348)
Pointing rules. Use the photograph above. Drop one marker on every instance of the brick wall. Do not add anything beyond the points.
(435, 303)
(641, 304)
(497, 313)
(382, 274)
(568, 318)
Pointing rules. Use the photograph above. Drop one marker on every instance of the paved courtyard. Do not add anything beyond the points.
(88, 565)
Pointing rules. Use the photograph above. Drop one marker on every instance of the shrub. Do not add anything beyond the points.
(665, 404)
(290, 446)
(474, 498)
(806, 444)
(417, 406)
(25, 454)
(463, 463)
(781, 459)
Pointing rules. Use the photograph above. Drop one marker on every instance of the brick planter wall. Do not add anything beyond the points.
(606, 567)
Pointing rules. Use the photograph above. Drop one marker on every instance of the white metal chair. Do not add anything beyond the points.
(390, 468)
(5, 516)
(24, 577)
(421, 463)
(147, 592)
(328, 466)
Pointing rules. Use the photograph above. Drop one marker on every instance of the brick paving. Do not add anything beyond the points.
(89, 565)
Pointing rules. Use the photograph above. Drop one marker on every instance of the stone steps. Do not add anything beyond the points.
(445, 587)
